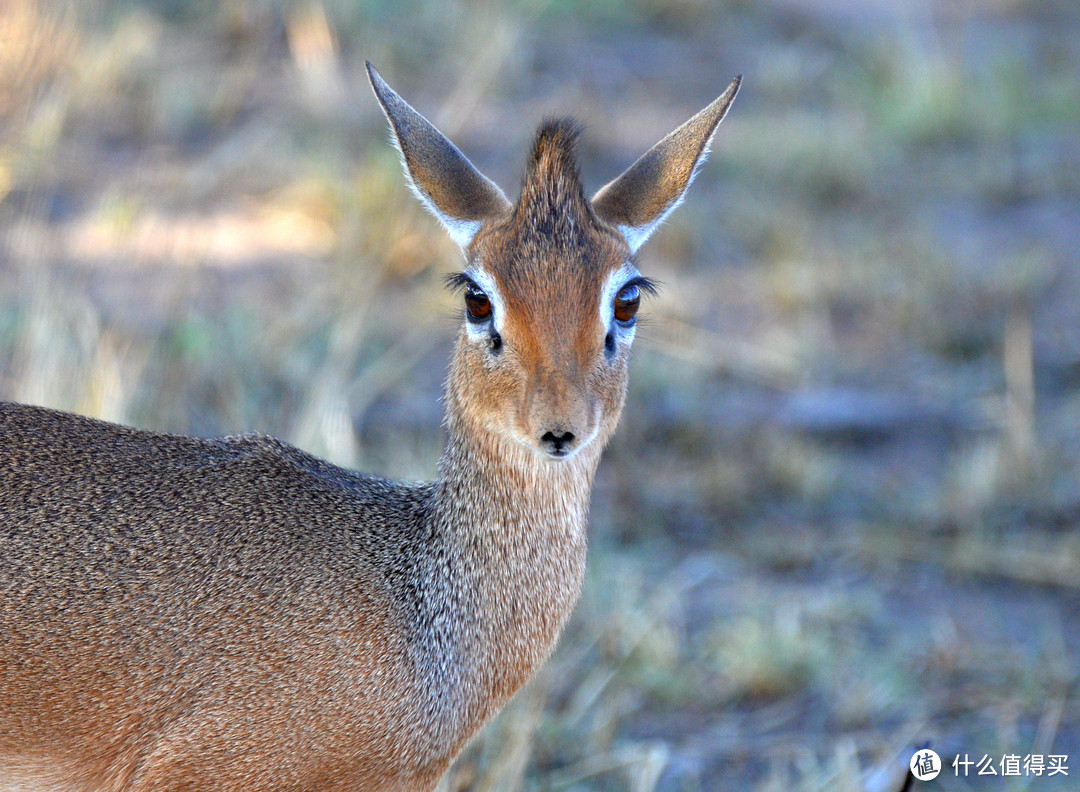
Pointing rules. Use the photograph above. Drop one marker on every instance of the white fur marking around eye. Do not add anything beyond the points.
(614, 284)
(487, 285)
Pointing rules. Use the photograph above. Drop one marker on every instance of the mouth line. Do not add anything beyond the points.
(560, 456)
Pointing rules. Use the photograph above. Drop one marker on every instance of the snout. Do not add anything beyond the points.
(560, 419)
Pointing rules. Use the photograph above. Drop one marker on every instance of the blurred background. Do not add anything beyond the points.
(840, 514)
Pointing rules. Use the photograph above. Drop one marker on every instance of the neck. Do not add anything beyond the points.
(516, 523)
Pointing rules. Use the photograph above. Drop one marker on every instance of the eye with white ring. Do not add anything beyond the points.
(627, 302)
(477, 304)
(481, 312)
(620, 307)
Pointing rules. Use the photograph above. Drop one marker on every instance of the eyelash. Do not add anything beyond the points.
(457, 281)
(647, 285)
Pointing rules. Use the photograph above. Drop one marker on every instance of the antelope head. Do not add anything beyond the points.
(550, 289)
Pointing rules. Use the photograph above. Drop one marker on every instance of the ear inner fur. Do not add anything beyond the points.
(442, 177)
(642, 197)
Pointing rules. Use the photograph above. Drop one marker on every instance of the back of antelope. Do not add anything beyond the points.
(234, 614)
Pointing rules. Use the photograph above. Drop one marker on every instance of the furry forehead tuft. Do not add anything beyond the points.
(552, 199)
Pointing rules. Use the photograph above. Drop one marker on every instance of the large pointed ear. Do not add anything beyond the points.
(443, 179)
(643, 196)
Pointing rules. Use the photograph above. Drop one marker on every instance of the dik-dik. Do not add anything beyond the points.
(234, 614)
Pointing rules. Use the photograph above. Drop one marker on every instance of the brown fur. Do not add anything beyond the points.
(234, 614)
(550, 257)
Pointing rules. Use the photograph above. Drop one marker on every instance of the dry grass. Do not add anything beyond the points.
(840, 515)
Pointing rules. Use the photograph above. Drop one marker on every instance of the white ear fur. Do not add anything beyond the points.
(461, 231)
(637, 235)
(642, 197)
(444, 180)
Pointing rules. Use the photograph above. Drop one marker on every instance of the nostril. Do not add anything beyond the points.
(557, 444)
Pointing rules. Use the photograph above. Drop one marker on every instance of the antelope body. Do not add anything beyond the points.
(234, 614)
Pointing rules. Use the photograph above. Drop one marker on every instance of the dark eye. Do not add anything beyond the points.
(477, 304)
(626, 303)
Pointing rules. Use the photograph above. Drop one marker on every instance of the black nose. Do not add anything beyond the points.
(557, 444)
